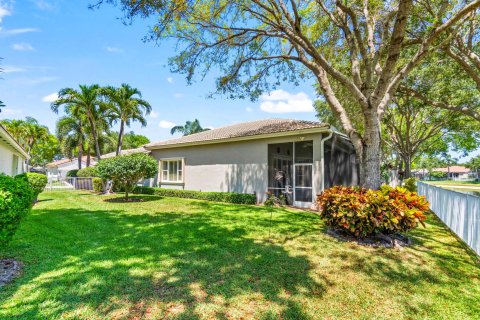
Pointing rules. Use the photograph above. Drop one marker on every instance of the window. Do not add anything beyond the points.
(172, 170)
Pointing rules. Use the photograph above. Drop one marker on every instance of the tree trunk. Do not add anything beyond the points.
(95, 136)
(88, 158)
(370, 176)
(120, 138)
(80, 154)
(407, 160)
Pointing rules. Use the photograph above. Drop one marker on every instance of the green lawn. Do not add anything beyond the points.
(455, 183)
(168, 258)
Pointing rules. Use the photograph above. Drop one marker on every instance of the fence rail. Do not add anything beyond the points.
(459, 211)
(70, 184)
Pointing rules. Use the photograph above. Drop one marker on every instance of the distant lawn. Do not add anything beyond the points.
(168, 258)
(456, 183)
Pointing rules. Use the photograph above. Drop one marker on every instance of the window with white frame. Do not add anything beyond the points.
(172, 170)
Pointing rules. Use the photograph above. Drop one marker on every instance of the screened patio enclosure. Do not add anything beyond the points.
(300, 170)
(290, 171)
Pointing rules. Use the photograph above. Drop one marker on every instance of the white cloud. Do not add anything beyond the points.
(23, 46)
(164, 124)
(154, 115)
(4, 11)
(248, 109)
(33, 81)
(44, 5)
(113, 50)
(12, 69)
(281, 101)
(11, 113)
(50, 98)
(178, 95)
(170, 80)
(13, 32)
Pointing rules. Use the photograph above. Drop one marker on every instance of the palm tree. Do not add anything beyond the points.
(125, 105)
(189, 128)
(27, 132)
(33, 133)
(15, 128)
(70, 133)
(85, 101)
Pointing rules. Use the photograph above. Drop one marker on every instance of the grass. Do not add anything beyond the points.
(455, 183)
(167, 258)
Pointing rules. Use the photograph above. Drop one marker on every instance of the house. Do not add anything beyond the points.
(12, 156)
(57, 170)
(451, 173)
(294, 158)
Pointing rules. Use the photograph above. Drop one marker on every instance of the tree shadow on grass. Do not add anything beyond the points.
(108, 263)
(133, 198)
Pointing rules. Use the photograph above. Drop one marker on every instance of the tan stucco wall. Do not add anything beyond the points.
(6, 159)
(234, 167)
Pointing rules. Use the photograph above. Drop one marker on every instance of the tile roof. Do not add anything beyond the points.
(453, 169)
(63, 161)
(126, 152)
(244, 129)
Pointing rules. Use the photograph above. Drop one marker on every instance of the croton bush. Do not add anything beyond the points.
(362, 212)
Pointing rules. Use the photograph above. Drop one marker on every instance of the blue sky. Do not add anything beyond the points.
(51, 44)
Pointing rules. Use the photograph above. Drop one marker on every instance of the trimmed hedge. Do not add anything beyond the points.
(363, 212)
(98, 184)
(16, 199)
(87, 172)
(410, 184)
(228, 197)
(72, 173)
(37, 182)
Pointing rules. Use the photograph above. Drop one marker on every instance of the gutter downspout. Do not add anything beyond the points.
(322, 150)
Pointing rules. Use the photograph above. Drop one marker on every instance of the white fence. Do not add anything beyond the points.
(70, 184)
(459, 211)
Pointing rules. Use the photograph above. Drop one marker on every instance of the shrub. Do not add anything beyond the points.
(438, 174)
(87, 172)
(274, 201)
(363, 212)
(410, 184)
(37, 182)
(98, 184)
(72, 173)
(16, 198)
(126, 171)
(228, 197)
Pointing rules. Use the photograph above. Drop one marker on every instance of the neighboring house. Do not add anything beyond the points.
(12, 155)
(291, 157)
(452, 173)
(57, 170)
(456, 172)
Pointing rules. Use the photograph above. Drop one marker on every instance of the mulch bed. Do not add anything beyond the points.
(9, 268)
(380, 240)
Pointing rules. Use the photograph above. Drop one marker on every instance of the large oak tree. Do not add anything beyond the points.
(365, 47)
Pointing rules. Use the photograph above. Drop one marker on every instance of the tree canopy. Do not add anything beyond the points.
(190, 127)
(365, 48)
